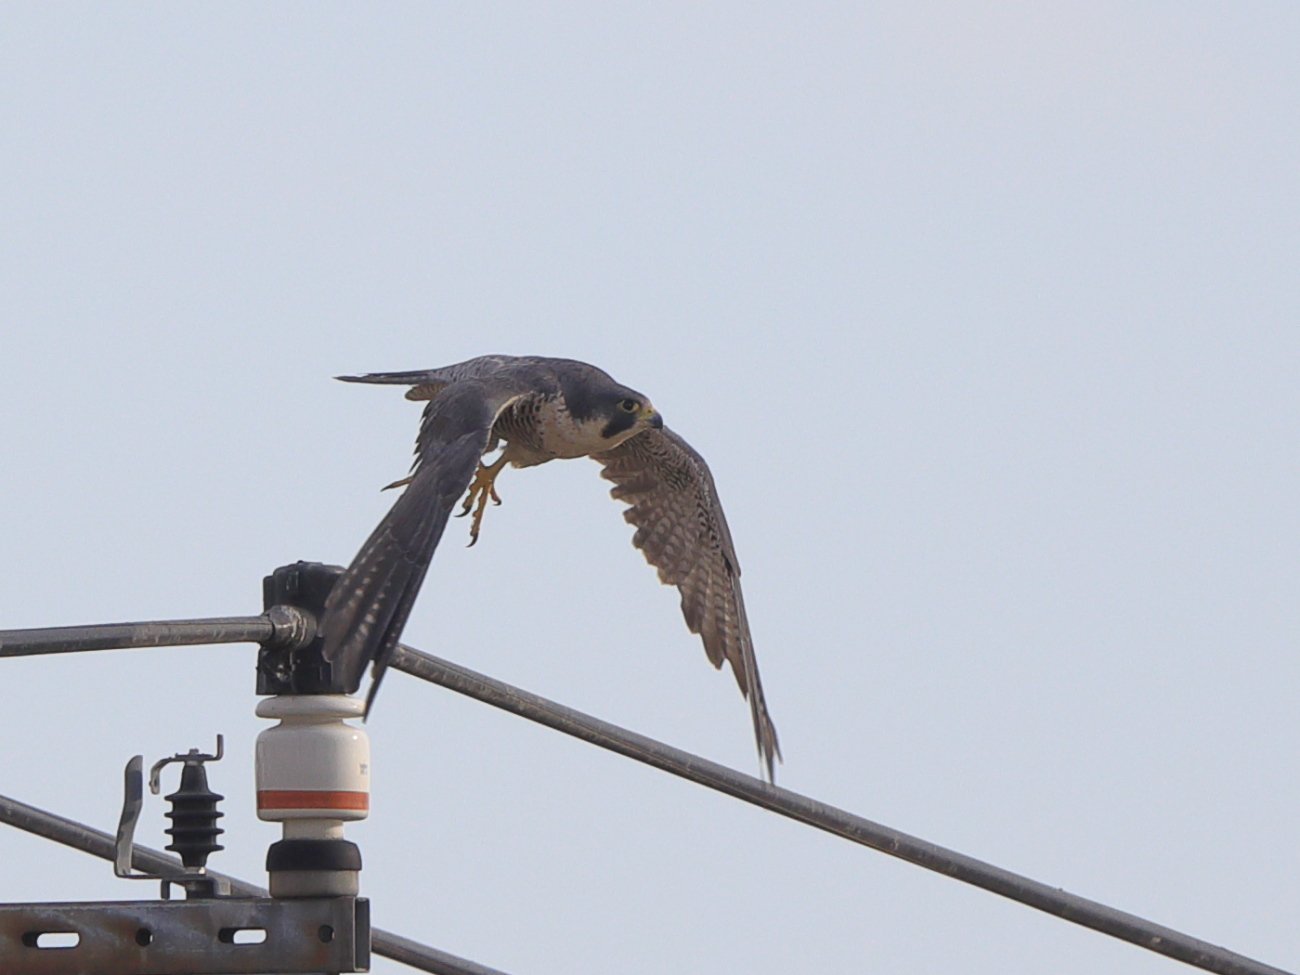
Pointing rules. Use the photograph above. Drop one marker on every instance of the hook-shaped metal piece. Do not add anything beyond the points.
(192, 757)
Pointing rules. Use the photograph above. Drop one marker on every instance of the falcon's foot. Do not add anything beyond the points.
(480, 489)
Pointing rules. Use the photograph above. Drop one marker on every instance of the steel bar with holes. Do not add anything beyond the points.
(100, 844)
(1032, 893)
(212, 936)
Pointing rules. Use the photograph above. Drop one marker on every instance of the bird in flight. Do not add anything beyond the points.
(543, 409)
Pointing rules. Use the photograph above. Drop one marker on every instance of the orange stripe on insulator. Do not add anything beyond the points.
(312, 799)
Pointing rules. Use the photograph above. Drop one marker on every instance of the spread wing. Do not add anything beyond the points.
(369, 604)
(683, 533)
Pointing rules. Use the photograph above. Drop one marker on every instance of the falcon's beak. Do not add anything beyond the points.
(652, 417)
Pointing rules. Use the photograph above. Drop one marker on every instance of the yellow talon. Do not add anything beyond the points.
(480, 489)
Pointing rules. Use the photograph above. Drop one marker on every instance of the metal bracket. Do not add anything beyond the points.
(197, 883)
(132, 803)
(225, 936)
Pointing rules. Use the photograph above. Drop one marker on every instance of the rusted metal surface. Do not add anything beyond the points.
(199, 937)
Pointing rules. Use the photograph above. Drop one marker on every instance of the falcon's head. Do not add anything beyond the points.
(628, 414)
(598, 403)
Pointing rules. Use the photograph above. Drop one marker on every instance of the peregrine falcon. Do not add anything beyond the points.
(542, 409)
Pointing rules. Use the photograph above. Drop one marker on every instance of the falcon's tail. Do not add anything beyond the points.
(412, 378)
(423, 383)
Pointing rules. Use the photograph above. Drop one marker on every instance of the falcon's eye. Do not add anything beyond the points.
(628, 405)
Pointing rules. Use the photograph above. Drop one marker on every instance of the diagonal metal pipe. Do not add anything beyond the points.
(1052, 900)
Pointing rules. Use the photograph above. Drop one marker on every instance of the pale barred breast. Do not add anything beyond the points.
(540, 428)
(518, 425)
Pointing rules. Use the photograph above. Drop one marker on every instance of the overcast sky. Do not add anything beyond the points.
(986, 316)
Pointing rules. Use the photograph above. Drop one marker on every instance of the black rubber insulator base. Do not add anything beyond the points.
(194, 816)
(313, 855)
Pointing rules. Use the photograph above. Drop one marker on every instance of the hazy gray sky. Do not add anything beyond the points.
(986, 316)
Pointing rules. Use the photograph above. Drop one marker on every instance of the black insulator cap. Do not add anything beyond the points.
(194, 817)
(313, 855)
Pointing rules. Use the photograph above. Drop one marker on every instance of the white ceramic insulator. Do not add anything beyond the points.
(312, 766)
